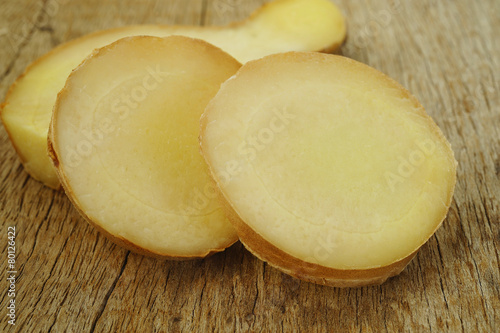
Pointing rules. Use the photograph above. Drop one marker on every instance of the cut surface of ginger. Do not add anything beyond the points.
(124, 140)
(280, 26)
(332, 171)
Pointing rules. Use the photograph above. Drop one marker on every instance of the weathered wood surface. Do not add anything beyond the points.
(72, 279)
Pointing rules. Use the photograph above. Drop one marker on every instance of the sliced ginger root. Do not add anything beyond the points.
(331, 171)
(124, 141)
(280, 26)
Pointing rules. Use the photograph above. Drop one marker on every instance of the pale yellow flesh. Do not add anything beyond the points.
(125, 132)
(283, 25)
(328, 160)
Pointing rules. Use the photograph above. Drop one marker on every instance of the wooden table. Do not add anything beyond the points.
(72, 279)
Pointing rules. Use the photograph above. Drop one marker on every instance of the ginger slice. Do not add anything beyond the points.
(331, 171)
(124, 141)
(280, 26)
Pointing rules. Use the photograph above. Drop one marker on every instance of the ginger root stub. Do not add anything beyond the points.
(331, 171)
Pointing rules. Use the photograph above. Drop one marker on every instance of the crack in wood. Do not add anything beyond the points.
(440, 255)
(203, 16)
(108, 294)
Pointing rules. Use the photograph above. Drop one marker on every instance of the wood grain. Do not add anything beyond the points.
(71, 279)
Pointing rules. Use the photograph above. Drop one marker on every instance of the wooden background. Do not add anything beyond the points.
(72, 279)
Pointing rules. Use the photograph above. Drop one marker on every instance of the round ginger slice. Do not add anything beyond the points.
(331, 171)
(124, 141)
(279, 26)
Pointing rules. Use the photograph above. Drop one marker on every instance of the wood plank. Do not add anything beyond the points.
(72, 279)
